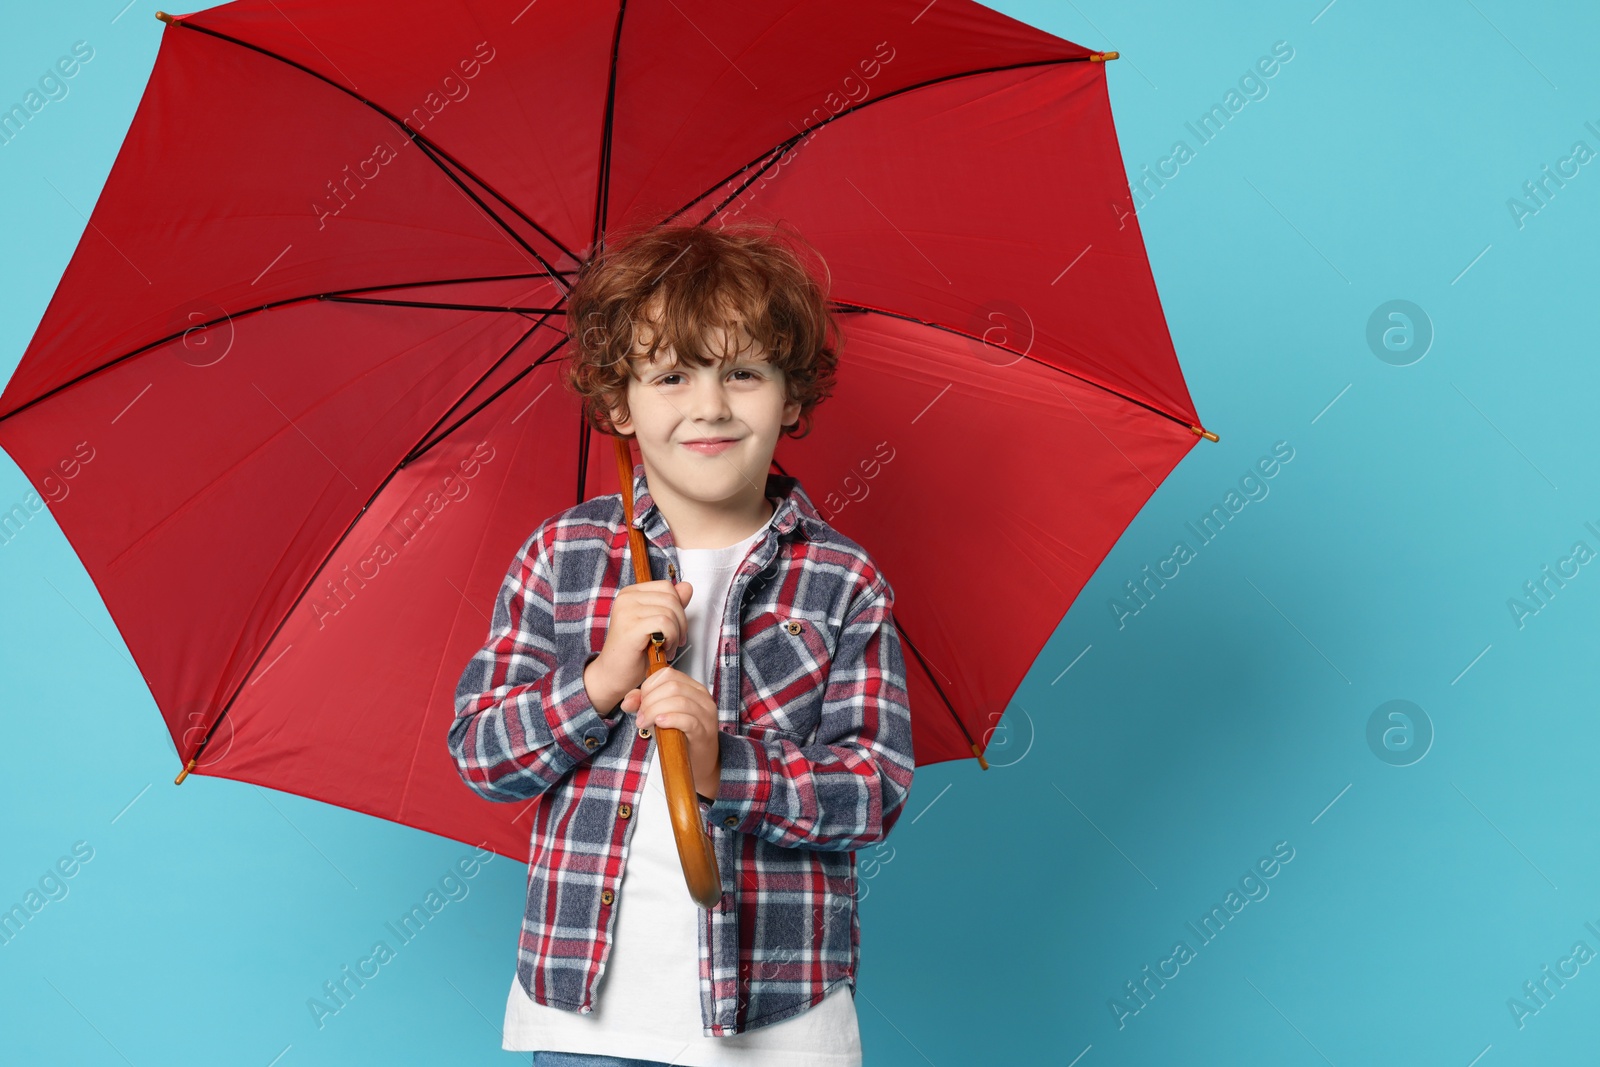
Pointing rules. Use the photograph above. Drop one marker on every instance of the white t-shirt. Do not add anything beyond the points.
(647, 1005)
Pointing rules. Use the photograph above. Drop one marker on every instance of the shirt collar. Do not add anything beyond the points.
(794, 506)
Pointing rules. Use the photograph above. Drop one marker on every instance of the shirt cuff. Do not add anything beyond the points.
(575, 723)
(741, 802)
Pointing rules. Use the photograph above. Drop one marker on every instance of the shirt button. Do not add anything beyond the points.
(590, 742)
(732, 820)
(606, 896)
(793, 627)
(624, 810)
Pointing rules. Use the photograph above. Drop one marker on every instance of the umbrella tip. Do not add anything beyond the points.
(164, 17)
(1102, 57)
(1207, 434)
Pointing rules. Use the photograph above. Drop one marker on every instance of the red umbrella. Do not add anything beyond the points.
(312, 339)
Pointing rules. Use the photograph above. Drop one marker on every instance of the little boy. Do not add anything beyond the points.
(786, 677)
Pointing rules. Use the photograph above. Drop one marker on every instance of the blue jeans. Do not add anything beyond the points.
(583, 1059)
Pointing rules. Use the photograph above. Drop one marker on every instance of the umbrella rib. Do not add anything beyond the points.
(447, 307)
(602, 204)
(429, 148)
(844, 306)
(423, 445)
(312, 578)
(429, 151)
(584, 436)
(242, 313)
(765, 160)
(937, 688)
(602, 196)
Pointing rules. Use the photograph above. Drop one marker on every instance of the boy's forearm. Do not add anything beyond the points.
(839, 797)
(707, 786)
(524, 717)
(605, 693)
(516, 740)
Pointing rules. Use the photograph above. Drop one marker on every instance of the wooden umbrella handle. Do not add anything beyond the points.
(688, 827)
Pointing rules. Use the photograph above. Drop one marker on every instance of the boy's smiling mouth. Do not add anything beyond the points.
(710, 446)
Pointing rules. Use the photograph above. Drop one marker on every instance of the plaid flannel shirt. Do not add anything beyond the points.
(815, 743)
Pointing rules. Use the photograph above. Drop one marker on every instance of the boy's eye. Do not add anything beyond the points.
(665, 379)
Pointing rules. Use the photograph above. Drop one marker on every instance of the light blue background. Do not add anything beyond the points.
(1130, 792)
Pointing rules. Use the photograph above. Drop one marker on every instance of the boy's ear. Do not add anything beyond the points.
(623, 426)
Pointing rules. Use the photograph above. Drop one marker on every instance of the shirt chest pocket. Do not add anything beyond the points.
(786, 658)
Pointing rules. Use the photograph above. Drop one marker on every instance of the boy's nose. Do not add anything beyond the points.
(710, 402)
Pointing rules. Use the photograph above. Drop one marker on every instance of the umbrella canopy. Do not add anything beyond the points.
(313, 335)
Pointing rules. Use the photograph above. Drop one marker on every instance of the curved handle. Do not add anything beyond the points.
(672, 747)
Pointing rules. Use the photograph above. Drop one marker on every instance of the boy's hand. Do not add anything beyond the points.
(638, 611)
(671, 698)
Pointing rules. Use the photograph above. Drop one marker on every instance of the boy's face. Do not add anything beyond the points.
(673, 405)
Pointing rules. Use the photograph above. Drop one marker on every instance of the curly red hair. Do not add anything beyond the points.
(678, 282)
